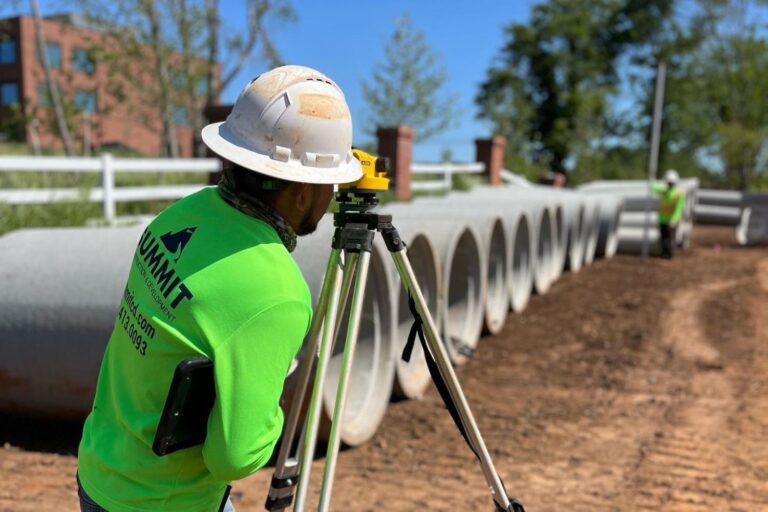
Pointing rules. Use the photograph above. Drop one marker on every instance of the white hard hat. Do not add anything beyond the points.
(291, 123)
(671, 176)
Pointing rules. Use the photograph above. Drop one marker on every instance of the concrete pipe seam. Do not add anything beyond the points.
(373, 367)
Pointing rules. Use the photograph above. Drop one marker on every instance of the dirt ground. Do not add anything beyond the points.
(626, 387)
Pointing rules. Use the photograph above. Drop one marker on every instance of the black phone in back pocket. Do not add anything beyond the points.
(184, 421)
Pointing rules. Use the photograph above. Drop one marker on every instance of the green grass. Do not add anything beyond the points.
(78, 213)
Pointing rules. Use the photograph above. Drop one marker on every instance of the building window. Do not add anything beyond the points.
(180, 116)
(82, 61)
(85, 101)
(9, 93)
(7, 51)
(53, 51)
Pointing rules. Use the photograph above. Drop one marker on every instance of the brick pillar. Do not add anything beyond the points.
(397, 144)
(491, 153)
(215, 114)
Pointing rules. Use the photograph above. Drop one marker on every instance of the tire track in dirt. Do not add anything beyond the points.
(708, 456)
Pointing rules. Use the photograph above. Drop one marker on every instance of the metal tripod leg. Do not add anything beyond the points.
(330, 329)
(440, 355)
(290, 462)
(287, 465)
(342, 390)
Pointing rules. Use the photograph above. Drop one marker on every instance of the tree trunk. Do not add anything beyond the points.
(53, 91)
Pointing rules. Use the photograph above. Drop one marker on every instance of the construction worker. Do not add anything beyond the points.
(212, 276)
(671, 205)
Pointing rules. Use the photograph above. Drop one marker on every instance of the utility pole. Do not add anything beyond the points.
(52, 89)
(653, 158)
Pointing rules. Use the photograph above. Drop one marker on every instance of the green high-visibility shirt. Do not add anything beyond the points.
(671, 203)
(206, 279)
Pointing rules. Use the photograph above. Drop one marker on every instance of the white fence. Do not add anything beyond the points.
(447, 170)
(106, 165)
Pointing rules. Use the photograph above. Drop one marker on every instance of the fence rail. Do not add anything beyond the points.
(447, 170)
(106, 192)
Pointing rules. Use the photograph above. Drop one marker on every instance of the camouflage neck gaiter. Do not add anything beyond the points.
(254, 207)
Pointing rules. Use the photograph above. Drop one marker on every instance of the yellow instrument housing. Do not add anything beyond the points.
(375, 169)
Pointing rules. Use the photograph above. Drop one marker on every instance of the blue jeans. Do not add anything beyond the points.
(88, 505)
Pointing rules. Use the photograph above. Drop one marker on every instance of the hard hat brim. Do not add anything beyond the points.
(229, 146)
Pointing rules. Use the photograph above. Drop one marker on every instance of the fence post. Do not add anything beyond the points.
(396, 143)
(108, 186)
(491, 153)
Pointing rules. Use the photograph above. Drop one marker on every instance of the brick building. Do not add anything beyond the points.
(110, 109)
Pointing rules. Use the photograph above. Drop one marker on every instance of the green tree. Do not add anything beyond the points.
(192, 55)
(407, 88)
(550, 90)
(717, 106)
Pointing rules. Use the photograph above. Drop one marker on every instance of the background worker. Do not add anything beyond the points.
(212, 276)
(671, 205)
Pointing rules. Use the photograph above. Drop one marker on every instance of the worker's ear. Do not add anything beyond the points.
(302, 193)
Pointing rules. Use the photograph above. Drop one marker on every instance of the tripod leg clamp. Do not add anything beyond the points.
(281, 492)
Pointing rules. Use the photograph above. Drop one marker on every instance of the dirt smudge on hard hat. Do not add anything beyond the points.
(322, 106)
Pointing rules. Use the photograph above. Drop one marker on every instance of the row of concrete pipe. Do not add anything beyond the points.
(747, 212)
(639, 216)
(477, 256)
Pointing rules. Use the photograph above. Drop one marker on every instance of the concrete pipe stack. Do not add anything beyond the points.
(748, 212)
(639, 209)
(477, 256)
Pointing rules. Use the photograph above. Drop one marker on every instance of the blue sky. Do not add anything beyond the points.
(345, 39)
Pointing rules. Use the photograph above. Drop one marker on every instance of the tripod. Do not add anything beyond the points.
(355, 229)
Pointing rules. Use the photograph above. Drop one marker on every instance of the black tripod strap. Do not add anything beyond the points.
(417, 329)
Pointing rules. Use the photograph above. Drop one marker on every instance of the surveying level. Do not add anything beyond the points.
(356, 227)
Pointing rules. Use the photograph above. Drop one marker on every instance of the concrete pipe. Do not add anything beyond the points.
(491, 225)
(591, 230)
(631, 240)
(717, 215)
(710, 197)
(464, 278)
(539, 211)
(521, 263)
(575, 228)
(521, 241)
(373, 367)
(611, 208)
(60, 290)
(412, 377)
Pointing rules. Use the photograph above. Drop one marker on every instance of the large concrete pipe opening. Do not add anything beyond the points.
(542, 272)
(60, 290)
(413, 377)
(592, 231)
(373, 366)
(560, 242)
(463, 289)
(576, 240)
(463, 264)
(497, 296)
(610, 212)
(521, 264)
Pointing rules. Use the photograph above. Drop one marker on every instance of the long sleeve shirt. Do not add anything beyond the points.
(208, 280)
